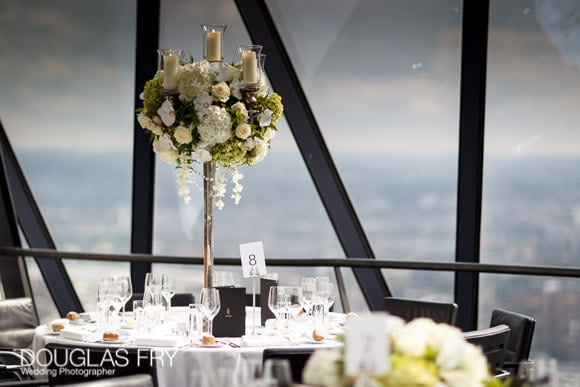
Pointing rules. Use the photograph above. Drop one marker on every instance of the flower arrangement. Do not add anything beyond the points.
(209, 119)
(423, 354)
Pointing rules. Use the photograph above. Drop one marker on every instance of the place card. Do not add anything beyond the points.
(231, 319)
(367, 346)
(265, 285)
(253, 259)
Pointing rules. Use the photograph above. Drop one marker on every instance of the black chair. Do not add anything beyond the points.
(493, 342)
(411, 309)
(178, 299)
(15, 367)
(296, 356)
(79, 364)
(520, 339)
(17, 322)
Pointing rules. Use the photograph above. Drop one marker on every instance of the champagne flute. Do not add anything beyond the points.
(209, 305)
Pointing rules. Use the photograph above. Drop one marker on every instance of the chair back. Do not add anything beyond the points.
(17, 322)
(411, 309)
(493, 342)
(76, 363)
(521, 334)
(296, 356)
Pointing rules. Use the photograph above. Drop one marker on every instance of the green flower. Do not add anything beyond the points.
(274, 103)
(232, 152)
(410, 372)
(153, 96)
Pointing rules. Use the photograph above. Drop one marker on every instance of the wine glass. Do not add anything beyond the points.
(293, 300)
(277, 371)
(117, 297)
(209, 305)
(104, 297)
(308, 292)
(275, 296)
(126, 291)
(326, 298)
(152, 294)
(167, 290)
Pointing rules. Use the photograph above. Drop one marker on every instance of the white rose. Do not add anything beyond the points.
(221, 91)
(261, 150)
(269, 134)
(182, 135)
(144, 120)
(243, 131)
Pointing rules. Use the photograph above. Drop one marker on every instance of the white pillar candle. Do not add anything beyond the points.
(214, 46)
(170, 63)
(249, 67)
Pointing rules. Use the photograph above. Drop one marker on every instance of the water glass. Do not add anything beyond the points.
(194, 321)
(139, 315)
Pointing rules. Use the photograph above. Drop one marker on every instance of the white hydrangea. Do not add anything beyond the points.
(322, 368)
(192, 80)
(411, 339)
(215, 126)
(269, 134)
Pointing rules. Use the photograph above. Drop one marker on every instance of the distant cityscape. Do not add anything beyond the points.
(531, 216)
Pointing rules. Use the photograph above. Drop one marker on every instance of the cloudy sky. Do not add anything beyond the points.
(381, 76)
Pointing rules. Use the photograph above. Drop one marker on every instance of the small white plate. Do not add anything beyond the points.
(120, 341)
(216, 345)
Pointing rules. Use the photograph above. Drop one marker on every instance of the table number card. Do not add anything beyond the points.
(367, 346)
(253, 259)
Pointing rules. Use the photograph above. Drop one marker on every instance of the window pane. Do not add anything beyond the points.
(551, 301)
(531, 202)
(279, 203)
(382, 78)
(67, 106)
(427, 285)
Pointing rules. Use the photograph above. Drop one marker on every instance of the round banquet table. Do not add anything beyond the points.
(184, 363)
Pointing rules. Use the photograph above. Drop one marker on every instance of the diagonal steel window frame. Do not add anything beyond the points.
(147, 41)
(282, 75)
(36, 231)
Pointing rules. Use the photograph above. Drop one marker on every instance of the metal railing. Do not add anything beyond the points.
(336, 264)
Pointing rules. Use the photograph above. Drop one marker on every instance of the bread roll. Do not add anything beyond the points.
(318, 335)
(72, 316)
(57, 326)
(110, 336)
(208, 340)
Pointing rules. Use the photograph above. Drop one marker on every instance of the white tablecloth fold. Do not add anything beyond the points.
(161, 341)
(78, 334)
(264, 341)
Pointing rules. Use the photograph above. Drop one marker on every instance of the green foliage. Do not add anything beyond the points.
(153, 96)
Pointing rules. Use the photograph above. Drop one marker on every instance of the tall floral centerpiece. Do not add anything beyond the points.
(209, 118)
(422, 354)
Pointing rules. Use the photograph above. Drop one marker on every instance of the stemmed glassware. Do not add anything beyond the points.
(308, 292)
(105, 297)
(276, 303)
(167, 290)
(209, 305)
(126, 291)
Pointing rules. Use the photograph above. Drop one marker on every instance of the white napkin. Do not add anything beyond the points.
(264, 341)
(161, 341)
(74, 333)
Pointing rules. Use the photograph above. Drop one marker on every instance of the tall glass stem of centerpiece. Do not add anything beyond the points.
(208, 184)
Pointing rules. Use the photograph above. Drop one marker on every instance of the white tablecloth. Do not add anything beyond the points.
(180, 366)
